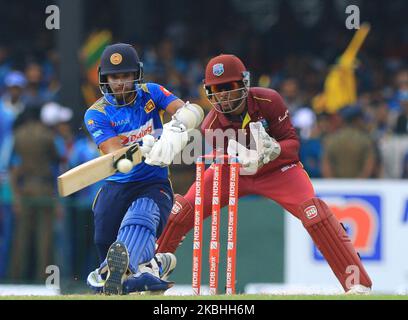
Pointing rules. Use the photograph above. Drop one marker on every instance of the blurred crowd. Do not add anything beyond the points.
(39, 141)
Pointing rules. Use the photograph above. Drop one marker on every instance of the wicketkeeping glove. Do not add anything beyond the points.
(266, 149)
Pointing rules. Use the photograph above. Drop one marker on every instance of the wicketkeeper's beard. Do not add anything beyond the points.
(228, 101)
(229, 105)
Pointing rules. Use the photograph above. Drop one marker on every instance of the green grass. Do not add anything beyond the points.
(219, 297)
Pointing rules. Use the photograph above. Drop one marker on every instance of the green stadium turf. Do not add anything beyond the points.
(219, 297)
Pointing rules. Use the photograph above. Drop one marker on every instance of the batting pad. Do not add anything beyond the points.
(334, 244)
(138, 231)
(179, 223)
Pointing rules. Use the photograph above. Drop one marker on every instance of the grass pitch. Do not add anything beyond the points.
(218, 297)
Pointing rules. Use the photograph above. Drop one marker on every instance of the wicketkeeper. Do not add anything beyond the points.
(271, 168)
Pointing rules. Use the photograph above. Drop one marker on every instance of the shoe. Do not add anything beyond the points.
(145, 283)
(359, 289)
(118, 262)
(167, 263)
(95, 281)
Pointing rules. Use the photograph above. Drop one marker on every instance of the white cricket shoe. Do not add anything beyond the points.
(95, 281)
(359, 289)
(167, 263)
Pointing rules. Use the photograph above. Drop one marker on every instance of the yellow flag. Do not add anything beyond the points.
(340, 87)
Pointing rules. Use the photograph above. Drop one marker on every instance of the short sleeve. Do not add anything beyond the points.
(161, 96)
(99, 126)
(277, 114)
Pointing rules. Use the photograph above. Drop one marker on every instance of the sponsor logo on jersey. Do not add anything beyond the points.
(311, 212)
(149, 107)
(218, 69)
(361, 216)
(136, 135)
(284, 116)
(97, 133)
(120, 123)
(116, 58)
(290, 166)
(165, 91)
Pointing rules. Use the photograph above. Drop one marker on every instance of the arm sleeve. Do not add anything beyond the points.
(161, 96)
(99, 127)
(289, 149)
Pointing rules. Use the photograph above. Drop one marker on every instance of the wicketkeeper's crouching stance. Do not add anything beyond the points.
(132, 208)
(274, 163)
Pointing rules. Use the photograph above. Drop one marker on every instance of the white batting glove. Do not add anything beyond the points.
(173, 139)
(148, 142)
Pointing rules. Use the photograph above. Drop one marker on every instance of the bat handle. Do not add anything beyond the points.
(127, 155)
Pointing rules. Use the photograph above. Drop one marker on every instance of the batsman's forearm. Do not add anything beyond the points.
(289, 149)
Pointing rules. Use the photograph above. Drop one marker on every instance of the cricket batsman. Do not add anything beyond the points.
(271, 168)
(132, 207)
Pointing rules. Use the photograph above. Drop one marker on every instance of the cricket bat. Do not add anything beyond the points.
(95, 170)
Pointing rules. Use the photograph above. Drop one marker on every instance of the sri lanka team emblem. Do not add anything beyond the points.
(218, 69)
(149, 106)
(116, 58)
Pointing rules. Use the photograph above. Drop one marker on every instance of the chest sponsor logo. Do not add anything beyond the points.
(136, 135)
(120, 122)
(149, 107)
(361, 216)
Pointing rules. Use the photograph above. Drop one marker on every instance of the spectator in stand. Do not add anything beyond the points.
(291, 94)
(11, 106)
(405, 167)
(401, 92)
(33, 197)
(80, 219)
(349, 152)
(311, 145)
(401, 127)
(5, 65)
(58, 118)
(37, 91)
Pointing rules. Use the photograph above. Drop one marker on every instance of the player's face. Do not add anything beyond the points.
(228, 97)
(122, 85)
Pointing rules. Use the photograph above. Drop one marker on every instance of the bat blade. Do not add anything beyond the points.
(92, 171)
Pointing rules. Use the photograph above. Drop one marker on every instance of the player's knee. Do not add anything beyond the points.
(143, 212)
(314, 211)
(180, 221)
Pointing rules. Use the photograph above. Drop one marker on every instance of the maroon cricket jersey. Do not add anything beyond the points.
(267, 106)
